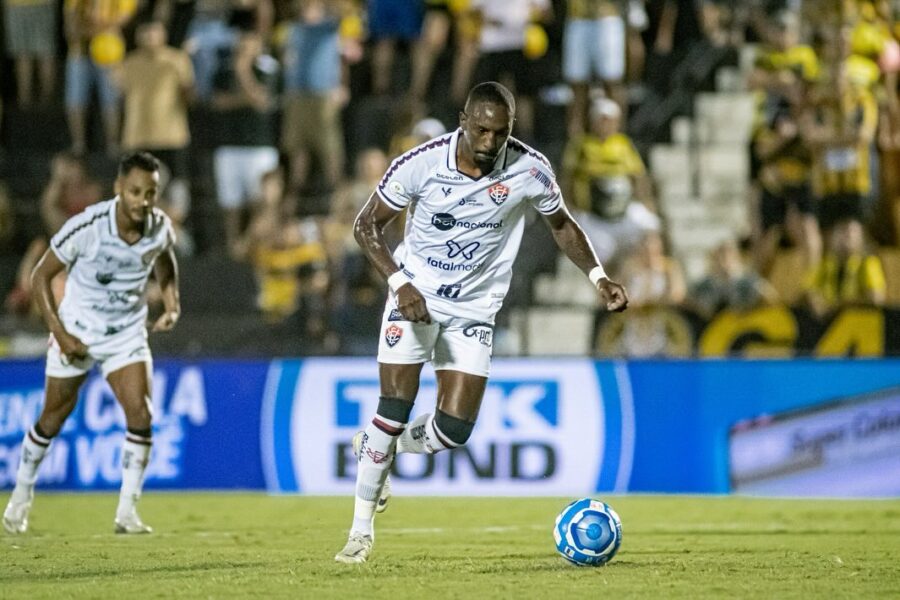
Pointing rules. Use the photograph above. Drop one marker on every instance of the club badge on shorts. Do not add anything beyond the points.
(498, 193)
(393, 334)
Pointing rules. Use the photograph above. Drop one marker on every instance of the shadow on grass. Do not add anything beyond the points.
(118, 572)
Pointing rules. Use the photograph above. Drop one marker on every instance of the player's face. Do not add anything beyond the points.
(138, 190)
(486, 127)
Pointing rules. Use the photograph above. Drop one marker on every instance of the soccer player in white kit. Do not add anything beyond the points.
(109, 251)
(467, 193)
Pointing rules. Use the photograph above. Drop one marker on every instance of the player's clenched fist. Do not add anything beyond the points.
(411, 304)
(71, 347)
(166, 321)
(612, 295)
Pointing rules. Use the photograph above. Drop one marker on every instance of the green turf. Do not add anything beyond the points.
(246, 545)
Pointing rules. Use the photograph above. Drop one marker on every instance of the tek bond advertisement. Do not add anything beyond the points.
(544, 429)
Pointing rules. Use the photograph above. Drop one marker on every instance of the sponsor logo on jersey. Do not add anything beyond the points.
(396, 315)
(448, 177)
(467, 251)
(448, 266)
(498, 193)
(449, 290)
(447, 190)
(104, 278)
(392, 335)
(470, 202)
(543, 178)
(446, 222)
(483, 332)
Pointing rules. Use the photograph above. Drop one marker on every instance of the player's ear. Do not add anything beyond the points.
(462, 118)
(117, 186)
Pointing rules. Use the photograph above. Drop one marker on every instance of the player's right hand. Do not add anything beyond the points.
(411, 304)
(71, 347)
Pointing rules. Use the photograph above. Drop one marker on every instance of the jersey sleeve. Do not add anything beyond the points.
(73, 239)
(402, 182)
(544, 191)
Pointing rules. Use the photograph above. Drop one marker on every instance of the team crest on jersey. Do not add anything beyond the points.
(392, 335)
(498, 193)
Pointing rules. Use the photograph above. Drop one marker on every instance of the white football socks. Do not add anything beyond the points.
(34, 449)
(376, 453)
(135, 456)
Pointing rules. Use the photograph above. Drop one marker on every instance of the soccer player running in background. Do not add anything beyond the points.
(109, 251)
(467, 193)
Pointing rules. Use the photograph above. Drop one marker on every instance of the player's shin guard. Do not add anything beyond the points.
(34, 449)
(135, 456)
(376, 453)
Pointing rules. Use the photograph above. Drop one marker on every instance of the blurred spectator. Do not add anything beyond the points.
(418, 133)
(606, 183)
(93, 31)
(30, 31)
(158, 83)
(786, 203)
(390, 22)
(729, 284)
(356, 297)
(68, 192)
(289, 259)
(209, 41)
(840, 128)
(348, 200)
(244, 128)
(177, 16)
(784, 65)
(502, 53)
(436, 25)
(593, 47)
(848, 274)
(314, 94)
(655, 283)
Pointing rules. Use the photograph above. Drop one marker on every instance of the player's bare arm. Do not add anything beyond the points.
(47, 268)
(572, 241)
(166, 271)
(369, 233)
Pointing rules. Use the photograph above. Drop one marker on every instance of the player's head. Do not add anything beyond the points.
(137, 184)
(606, 117)
(487, 121)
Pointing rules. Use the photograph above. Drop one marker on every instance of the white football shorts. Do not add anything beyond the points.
(112, 355)
(449, 342)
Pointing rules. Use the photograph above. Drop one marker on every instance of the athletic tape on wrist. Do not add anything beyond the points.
(596, 274)
(397, 280)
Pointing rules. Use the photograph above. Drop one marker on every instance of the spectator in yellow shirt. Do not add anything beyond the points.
(847, 275)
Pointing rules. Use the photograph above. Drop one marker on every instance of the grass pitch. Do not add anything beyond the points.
(252, 545)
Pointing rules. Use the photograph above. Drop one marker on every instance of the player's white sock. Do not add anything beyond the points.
(412, 440)
(376, 453)
(423, 436)
(34, 449)
(135, 456)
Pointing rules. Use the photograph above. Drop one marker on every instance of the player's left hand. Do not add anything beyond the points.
(612, 295)
(166, 321)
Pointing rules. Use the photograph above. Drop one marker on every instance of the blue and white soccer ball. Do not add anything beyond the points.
(588, 532)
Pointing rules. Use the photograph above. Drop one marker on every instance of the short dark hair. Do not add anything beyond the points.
(491, 91)
(138, 160)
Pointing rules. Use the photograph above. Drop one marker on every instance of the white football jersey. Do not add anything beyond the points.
(106, 288)
(462, 234)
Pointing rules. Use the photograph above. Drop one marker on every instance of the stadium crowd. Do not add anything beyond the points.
(276, 118)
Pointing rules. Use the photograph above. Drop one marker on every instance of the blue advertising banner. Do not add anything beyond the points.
(546, 427)
(205, 431)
